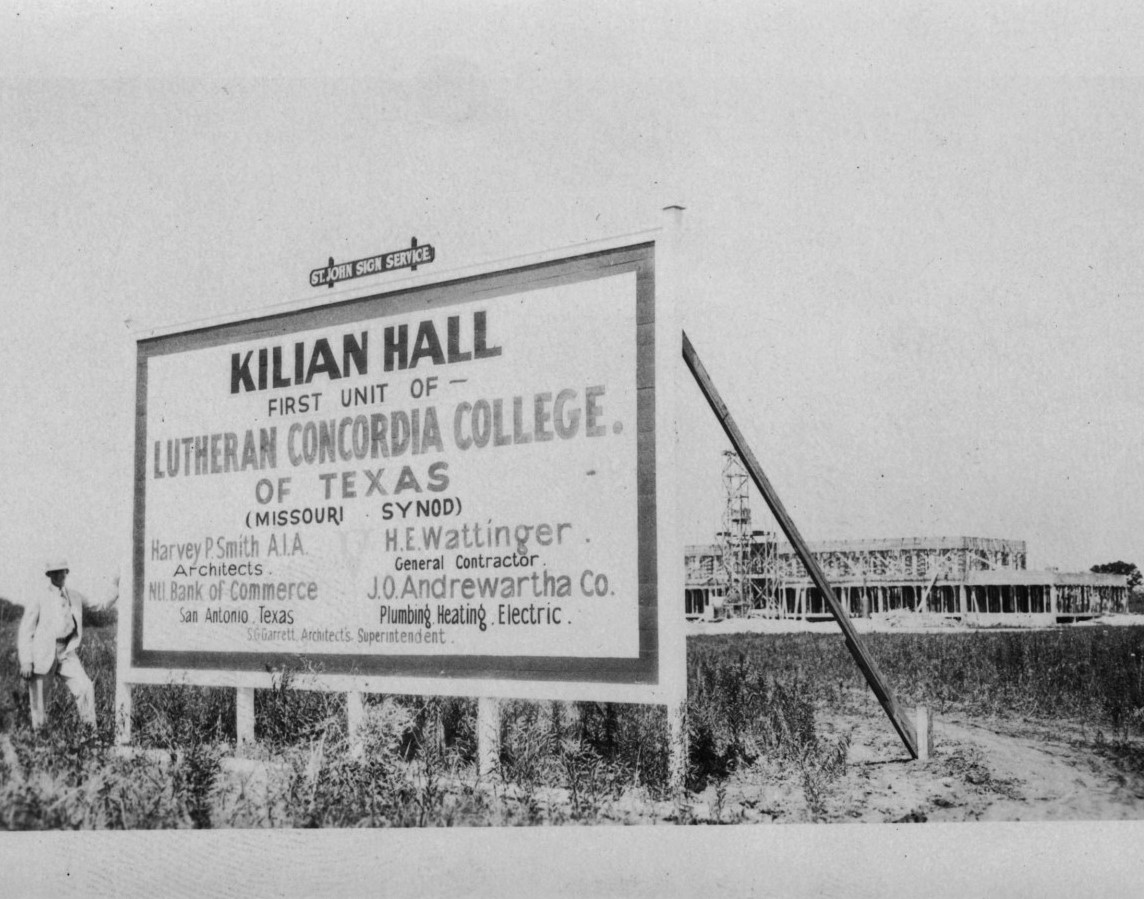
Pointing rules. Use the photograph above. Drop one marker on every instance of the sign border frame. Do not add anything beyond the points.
(644, 670)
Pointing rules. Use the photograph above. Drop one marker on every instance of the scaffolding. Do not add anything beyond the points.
(749, 557)
(953, 576)
(765, 575)
(750, 572)
(735, 538)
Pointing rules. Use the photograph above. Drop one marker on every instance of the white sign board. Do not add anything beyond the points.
(452, 482)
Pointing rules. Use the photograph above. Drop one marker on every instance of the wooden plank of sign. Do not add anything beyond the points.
(874, 678)
(645, 355)
(645, 409)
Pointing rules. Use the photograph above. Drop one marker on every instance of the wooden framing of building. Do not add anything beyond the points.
(952, 576)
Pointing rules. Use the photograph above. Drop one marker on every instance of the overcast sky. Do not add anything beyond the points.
(916, 236)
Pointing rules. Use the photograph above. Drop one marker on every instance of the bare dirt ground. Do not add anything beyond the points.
(983, 769)
(991, 770)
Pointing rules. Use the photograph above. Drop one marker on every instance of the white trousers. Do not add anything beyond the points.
(69, 667)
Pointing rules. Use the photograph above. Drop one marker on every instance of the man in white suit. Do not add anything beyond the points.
(50, 634)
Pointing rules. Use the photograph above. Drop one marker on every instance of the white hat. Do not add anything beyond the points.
(57, 564)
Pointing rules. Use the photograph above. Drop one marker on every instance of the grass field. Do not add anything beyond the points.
(1090, 675)
(757, 704)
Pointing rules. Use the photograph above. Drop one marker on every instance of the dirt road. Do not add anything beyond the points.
(982, 771)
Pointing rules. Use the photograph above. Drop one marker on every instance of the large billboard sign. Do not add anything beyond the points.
(450, 481)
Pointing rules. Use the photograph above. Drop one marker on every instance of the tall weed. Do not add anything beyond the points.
(738, 712)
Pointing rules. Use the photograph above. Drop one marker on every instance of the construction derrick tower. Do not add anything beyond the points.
(736, 537)
(750, 557)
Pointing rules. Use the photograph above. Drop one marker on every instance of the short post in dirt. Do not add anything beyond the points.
(677, 751)
(244, 715)
(924, 729)
(488, 736)
(874, 678)
(355, 718)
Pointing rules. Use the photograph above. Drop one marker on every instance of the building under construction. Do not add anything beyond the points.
(750, 572)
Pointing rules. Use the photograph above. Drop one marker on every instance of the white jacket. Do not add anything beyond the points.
(41, 624)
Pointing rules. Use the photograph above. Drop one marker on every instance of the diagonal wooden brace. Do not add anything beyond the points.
(874, 678)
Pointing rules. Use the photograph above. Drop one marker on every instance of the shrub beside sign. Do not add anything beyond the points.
(454, 480)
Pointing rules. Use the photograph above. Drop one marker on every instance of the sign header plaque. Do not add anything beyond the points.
(410, 257)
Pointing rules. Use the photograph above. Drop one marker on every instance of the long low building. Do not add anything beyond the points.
(955, 576)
